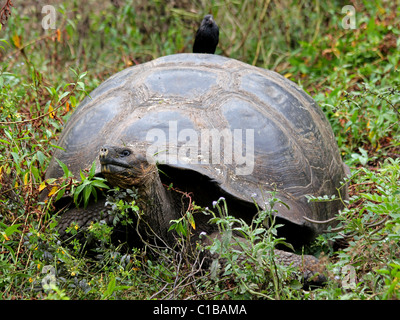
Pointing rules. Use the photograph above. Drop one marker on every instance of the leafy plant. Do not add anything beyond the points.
(78, 189)
(123, 206)
(88, 185)
(370, 224)
(391, 278)
(245, 253)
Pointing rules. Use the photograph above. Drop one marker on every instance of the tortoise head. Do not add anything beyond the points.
(123, 166)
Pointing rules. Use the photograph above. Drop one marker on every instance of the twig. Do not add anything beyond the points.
(186, 194)
(321, 221)
(374, 224)
(5, 12)
(382, 97)
(158, 292)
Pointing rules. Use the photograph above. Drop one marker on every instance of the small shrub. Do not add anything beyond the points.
(245, 255)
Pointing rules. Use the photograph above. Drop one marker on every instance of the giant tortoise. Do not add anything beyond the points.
(213, 127)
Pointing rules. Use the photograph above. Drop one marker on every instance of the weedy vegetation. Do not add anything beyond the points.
(353, 74)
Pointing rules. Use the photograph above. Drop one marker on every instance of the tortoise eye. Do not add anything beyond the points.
(125, 153)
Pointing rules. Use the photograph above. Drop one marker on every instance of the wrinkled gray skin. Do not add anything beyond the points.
(295, 151)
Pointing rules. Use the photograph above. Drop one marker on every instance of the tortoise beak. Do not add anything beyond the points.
(102, 156)
(103, 152)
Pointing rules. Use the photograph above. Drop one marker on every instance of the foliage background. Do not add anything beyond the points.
(352, 73)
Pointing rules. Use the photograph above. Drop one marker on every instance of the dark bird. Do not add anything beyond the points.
(207, 36)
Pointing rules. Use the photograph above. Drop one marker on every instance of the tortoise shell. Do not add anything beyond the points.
(247, 129)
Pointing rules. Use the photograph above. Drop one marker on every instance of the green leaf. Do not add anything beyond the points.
(77, 192)
(11, 229)
(83, 177)
(60, 193)
(81, 85)
(92, 170)
(88, 190)
(296, 284)
(63, 95)
(99, 183)
(41, 157)
(64, 167)
(57, 147)
(11, 250)
(110, 288)
(82, 75)
(15, 156)
(35, 173)
(4, 141)
(72, 99)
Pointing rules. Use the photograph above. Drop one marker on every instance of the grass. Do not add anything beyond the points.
(352, 74)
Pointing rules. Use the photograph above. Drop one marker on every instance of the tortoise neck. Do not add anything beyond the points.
(158, 207)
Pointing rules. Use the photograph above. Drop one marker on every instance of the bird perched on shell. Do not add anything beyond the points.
(207, 36)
